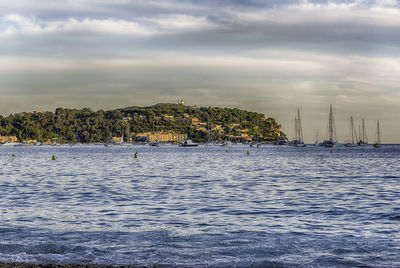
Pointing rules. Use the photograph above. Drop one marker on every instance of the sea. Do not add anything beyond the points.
(206, 206)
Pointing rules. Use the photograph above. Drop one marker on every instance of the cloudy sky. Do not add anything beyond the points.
(265, 56)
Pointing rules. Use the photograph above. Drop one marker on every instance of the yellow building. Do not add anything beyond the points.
(169, 117)
(245, 136)
(195, 121)
(116, 139)
(162, 136)
(201, 129)
(218, 128)
(4, 139)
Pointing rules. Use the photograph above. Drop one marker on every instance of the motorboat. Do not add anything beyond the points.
(188, 143)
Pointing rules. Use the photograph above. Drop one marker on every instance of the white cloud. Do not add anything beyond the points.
(17, 24)
(378, 14)
(177, 22)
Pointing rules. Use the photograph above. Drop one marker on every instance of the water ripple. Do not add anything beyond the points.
(201, 207)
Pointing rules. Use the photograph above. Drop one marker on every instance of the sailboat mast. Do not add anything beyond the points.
(378, 140)
(295, 129)
(354, 138)
(330, 124)
(364, 134)
(300, 129)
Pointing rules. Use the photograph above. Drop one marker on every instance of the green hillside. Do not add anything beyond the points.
(85, 125)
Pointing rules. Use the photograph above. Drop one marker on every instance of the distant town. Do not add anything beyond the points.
(165, 122)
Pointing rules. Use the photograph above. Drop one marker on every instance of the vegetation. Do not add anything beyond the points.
(85, 125)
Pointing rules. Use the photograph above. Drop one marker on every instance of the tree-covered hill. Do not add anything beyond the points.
(85, 125)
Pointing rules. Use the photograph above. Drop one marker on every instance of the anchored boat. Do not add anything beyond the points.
(188, 143)
(298, 140)
(331, 142)
(363, 134)
(378, 136)
(354, 138)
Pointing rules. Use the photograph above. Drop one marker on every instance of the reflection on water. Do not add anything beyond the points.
(201, 206)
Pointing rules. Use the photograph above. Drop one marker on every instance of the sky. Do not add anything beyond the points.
(271, 57)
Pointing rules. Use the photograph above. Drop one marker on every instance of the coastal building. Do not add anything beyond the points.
(200, 128)
(168, 117)
(116, 139)
(245, 137)
(126, 118)
(160, 136)
(218, 128)
(195, 121)
(4, 139)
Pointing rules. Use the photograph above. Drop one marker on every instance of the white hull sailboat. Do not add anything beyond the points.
(352, 142)
(298, 140)
(378, 136)
(363, 135)
(331, 142)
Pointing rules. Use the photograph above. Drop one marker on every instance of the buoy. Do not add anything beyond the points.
(226, 150)
(13, 155)
(135, 155)
(331, 151)
(53, 157)
(248, 152)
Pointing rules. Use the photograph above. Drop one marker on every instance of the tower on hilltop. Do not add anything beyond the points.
(181, 102)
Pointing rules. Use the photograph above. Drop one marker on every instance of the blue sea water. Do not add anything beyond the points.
(279, 206)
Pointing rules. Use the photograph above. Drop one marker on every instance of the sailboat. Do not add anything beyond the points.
(378, 136)
(298, 141)
(316, 139)
(331, 142)
(363, 135)
(352, 143)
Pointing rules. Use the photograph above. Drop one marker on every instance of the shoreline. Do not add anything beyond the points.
(52, 265)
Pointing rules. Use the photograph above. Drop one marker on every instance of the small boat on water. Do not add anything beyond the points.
(362, 135)
(255, 144)
(188, 143)
(298, 140)
(226, 143)
(316, 140)
(155, 144)
(328, 143)
(10, 143)
(352, 142)
(282, 141)
(378, 136)
(331, 142)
